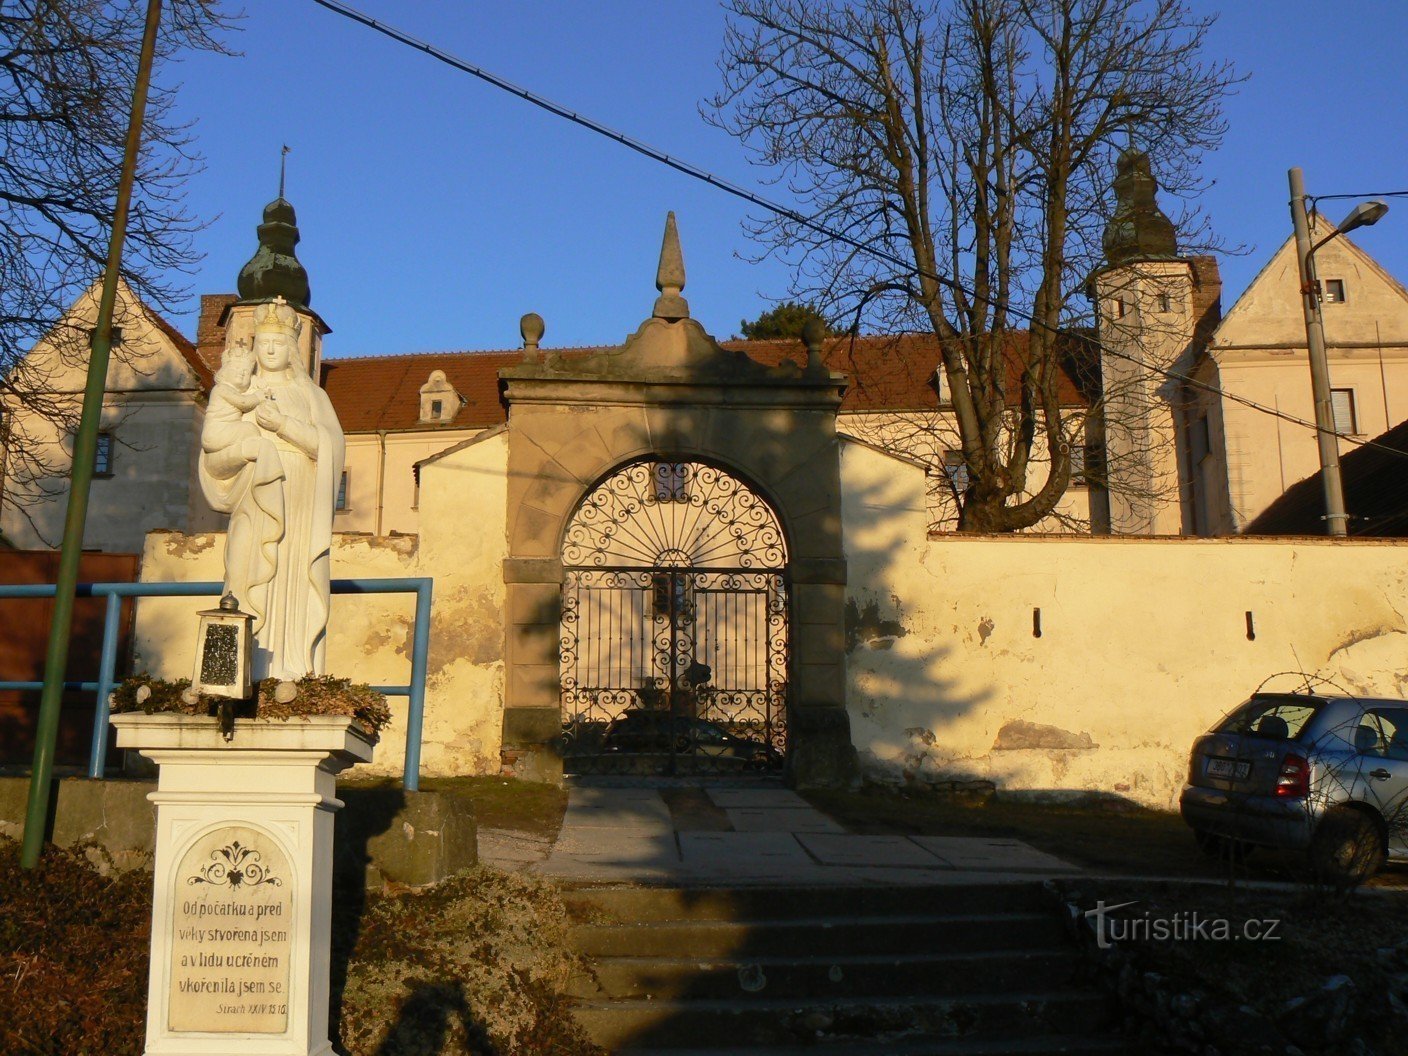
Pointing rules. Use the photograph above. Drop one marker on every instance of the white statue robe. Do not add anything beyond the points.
(281, 505)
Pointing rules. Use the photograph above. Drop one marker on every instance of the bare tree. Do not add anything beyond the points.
(977, 140)
(66, 76)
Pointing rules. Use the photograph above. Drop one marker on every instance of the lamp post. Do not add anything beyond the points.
(1362, 215)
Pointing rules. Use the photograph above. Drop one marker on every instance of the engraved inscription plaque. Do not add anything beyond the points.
(231, 935)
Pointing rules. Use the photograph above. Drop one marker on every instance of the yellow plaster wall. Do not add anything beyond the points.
(1259, 353)
(370, 635)
(1143, 642)
(389, 463)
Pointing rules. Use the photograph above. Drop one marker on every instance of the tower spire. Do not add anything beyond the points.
(1139, 229)
(283, 158)
(274, 270)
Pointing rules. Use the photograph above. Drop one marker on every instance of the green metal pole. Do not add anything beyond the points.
(84, 448)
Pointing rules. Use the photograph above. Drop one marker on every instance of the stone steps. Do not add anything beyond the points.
(825, 977)
(644, 904)
(768, 1022)
(819, 935)
(960, 969)
(1052, 1045)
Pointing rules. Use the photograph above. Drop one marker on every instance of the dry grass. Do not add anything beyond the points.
(1318, 935)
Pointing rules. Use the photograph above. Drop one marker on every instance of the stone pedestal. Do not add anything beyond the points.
(242, 903)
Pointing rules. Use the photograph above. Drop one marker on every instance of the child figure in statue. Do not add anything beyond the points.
(231, 397)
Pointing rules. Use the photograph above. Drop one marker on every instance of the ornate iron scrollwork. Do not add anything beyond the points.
(674, 627)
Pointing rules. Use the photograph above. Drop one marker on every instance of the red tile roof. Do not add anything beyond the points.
(183, 345)
(884, 373)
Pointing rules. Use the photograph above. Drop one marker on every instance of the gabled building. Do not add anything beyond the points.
(1240, 458)
(144, 473)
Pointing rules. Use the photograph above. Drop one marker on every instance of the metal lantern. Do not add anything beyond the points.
(223, 644)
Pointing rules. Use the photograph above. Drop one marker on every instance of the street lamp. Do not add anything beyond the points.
(1363, 214)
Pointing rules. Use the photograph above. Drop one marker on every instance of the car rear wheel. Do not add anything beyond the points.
(1348, 848)
(1221, 848)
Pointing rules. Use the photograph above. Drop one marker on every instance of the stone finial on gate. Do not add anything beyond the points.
(669, 279)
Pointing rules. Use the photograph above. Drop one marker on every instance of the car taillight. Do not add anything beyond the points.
(1294, 780)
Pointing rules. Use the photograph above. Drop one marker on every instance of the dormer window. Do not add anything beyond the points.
(439, 402)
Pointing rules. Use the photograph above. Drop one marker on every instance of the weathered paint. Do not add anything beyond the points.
(1144, 641)
(369, 635)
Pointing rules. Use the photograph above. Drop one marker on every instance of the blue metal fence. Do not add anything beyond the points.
(420, 586)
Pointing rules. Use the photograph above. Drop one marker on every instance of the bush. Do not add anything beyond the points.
(73, 956)
(475, 965)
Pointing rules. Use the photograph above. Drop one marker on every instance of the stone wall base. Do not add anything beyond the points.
(385, 833)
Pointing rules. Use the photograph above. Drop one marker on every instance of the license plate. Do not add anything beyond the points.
(1228, 768)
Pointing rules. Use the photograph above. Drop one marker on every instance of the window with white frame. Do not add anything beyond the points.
(1078, 463)
(1342, 401)
(956, 470)
(102, 456)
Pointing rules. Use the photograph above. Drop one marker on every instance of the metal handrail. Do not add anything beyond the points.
(420, 586)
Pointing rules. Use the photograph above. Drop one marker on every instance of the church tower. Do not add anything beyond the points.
(1150, 303)
(275, 271)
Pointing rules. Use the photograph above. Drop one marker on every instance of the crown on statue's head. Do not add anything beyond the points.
(277, 317)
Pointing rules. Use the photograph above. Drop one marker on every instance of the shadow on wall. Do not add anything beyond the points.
(903, 691)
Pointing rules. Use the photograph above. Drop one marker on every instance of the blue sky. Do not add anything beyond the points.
(436, 210)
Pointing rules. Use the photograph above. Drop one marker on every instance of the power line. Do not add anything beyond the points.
(1372, 194)
(753, 198)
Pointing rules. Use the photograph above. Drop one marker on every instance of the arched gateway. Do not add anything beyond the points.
(675, 621)
(674, 553)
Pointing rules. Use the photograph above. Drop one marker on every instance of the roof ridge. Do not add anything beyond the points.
(353, 357)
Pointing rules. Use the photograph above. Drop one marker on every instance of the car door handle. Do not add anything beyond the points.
(1380, 773)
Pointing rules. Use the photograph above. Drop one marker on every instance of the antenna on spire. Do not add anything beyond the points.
(283, 156)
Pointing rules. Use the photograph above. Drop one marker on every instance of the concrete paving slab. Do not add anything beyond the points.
(622, 840)
(662, 871)
(729, 798)
(595, 794)
(742, 853)
(607, 808)
(994, 855)
(611, 854)
(780, 819)
(511, 851)
(848, 849)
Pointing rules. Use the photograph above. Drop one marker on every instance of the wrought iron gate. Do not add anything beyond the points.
(674, 644)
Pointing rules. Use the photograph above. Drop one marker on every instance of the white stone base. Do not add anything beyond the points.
(242, 904)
